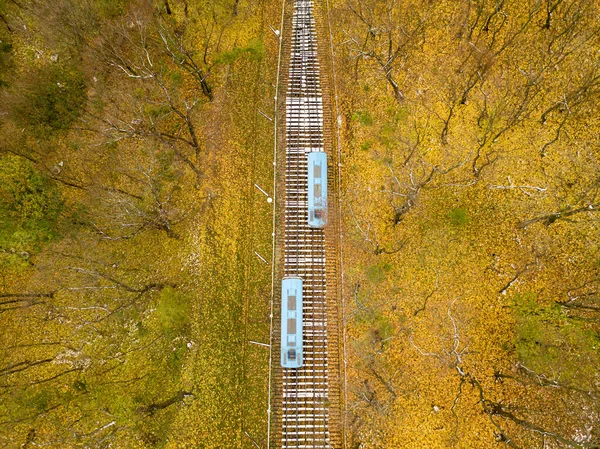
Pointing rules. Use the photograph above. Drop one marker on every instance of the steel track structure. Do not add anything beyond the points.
(305, 411)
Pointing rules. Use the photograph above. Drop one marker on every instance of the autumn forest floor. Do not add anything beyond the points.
(130, 142)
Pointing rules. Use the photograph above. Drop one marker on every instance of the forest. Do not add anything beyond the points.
(126, 154)
(132, 133)
(471, 157)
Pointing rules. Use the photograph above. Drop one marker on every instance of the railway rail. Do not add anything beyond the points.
(305, 405)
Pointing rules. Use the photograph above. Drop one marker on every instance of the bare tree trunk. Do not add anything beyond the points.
(206, 89)
(564, 213)
(6, 23)
(22, 300)
(22, 366)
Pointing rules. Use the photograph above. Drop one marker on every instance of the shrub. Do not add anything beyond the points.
(30, 205)
(376, 273)
(174, 311)
(53, 98)
(364, 117)
(459, 216)
(255, 51)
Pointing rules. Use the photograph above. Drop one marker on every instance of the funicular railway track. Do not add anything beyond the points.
(303, 412)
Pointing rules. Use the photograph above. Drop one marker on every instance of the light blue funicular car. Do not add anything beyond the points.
(291, 322)
(317, 189)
